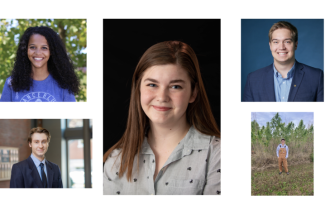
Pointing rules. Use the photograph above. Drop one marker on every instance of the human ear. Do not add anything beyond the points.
(296, 45)
(193, 96)
(29, 143)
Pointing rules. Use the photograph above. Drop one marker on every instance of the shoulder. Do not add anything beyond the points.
(8, 81)
(196, 140)
(215, 148)
(52, 165)
(215, 143)
(112, 164)
(21, 165)
(311, 70)
(260, 72)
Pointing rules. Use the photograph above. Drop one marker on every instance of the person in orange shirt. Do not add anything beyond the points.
(282, 151)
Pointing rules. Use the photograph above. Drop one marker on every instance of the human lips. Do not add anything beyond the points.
(38, 58)
(161, 108)
(282, 53)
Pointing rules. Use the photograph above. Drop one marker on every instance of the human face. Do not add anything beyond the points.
(38, 51)
(165, 94)
(283, 47)
(39, 145)
(283, 142)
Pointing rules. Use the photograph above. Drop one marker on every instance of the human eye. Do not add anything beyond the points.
(152, 85)
(176, 87)
(32, 47)
(45, 48)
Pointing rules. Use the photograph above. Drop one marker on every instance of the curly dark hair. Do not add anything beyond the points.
(59, 64)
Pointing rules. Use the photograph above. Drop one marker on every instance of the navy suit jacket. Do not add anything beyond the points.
(25, 175)
(307, 85)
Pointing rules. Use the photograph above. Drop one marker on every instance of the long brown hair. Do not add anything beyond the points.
(198, 113)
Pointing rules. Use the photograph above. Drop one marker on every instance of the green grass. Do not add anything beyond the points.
(300, 181)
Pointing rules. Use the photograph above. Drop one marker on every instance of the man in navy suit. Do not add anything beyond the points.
(36, 171)
(285, 80)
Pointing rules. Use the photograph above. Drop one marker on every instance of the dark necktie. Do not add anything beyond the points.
(44, 180)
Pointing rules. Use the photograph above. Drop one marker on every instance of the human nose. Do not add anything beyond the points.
(163, 95)
(282, 45)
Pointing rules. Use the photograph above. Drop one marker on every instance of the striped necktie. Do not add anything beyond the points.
(44, 180)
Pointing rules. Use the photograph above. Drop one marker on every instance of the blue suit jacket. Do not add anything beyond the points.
(25, 175)
(307, 85)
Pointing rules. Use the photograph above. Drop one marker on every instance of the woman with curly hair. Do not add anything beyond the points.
(171, 144)
(43, 71)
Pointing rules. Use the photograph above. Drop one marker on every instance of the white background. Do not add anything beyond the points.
(235, 116)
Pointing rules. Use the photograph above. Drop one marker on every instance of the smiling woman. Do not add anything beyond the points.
(172, 143)
(43, 72)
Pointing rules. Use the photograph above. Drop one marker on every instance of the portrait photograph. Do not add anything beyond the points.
(282, 153)
(162, 107)
(282, 60)
(43, 60)
(46, 153)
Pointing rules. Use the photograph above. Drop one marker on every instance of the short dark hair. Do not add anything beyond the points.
(39, 130)
(285, 25)
(283, 139)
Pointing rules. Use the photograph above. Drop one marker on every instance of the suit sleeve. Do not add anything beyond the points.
(17, 179)
(247, 91)
(320, 91)
(60, 179)
(213, 177)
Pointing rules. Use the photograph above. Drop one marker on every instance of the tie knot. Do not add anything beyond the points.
(42, 165)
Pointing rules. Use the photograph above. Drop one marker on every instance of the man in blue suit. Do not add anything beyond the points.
(36, 171)
(285, 80)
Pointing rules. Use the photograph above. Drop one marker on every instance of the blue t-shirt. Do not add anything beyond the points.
(47, 90)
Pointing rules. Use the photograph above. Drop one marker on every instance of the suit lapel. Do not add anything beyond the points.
(296, 81)
(34, 173)
(50, 174)
(269, 84)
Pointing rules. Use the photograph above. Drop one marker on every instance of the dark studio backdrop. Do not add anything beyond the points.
(124, 43)
(255, 49)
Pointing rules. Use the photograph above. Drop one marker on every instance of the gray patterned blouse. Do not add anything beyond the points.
(193, 168)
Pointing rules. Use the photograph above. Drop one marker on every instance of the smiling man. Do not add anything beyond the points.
(36, 171)
(285, 80)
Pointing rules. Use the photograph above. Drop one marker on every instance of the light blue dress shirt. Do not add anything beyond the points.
(38, 167)
(282, 85)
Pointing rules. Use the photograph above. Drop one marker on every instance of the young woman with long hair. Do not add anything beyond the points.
(43, 71)
(172, 143)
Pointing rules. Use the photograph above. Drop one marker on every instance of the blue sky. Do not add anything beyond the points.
(295, 117)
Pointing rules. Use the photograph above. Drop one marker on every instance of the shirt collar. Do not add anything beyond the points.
(36, 161)
(193, 140)
(290, 73)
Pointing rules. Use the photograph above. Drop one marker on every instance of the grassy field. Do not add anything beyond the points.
(300, 181)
